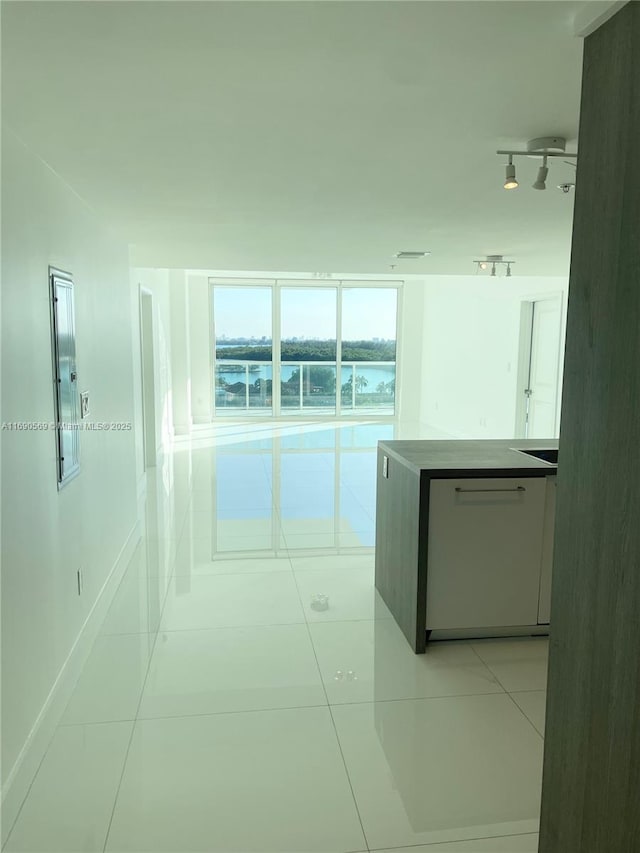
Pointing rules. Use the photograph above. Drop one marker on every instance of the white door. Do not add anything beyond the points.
(541, 391)
(148, 379)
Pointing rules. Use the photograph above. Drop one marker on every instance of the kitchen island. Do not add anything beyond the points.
(464, 537)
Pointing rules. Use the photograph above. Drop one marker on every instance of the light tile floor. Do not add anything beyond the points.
(225, 709)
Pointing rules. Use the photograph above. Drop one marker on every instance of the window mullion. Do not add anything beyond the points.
(339, 350)
(276, 353)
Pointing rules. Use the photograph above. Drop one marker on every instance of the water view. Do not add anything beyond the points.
(306, 385)
(372, 375)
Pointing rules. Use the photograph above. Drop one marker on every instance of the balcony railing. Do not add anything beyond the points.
(305, 386)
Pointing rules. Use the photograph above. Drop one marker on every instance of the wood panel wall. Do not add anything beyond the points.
(591, 787)
(401, 520)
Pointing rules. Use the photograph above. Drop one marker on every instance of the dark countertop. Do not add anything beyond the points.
(472, 458)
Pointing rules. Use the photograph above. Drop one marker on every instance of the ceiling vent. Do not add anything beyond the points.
(411, 256)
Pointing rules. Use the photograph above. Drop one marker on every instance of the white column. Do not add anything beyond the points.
(180, 354)
(200, 348)
(410, 383)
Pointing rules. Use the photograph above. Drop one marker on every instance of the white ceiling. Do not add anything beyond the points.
(318, 136)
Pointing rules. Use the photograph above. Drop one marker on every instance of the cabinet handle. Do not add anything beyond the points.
(517, 489)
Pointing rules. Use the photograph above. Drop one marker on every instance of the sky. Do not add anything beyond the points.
(306, 312)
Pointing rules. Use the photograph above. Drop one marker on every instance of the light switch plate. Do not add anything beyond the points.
(84, 404)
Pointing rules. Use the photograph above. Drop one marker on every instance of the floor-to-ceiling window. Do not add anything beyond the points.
(291, 348)
(308, 349)
(243, 349)
(368, 380)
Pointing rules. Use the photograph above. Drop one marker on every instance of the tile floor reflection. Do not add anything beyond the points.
(250, 691)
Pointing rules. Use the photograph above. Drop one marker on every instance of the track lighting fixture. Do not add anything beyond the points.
(496, 265)
(510, 182)
(542, 147)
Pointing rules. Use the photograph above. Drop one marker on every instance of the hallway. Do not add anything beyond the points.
(249, 690)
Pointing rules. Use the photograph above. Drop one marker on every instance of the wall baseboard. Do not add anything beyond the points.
(26, 766)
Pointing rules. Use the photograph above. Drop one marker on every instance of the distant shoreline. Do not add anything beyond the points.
(308, 350)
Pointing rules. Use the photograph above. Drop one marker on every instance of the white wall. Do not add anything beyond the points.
(471, 331)
(47, 535)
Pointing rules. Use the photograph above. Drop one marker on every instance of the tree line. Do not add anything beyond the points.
(312, 351)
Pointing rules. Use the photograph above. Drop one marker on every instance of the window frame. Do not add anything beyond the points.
(339, 285)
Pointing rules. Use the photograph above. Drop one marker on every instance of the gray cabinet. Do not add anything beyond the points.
(464, 537)
(544, 599)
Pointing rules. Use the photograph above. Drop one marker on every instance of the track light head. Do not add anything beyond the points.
(540, 183)
(510, 182)
(543, 171)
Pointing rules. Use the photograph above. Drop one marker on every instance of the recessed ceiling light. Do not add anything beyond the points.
(414, 256)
